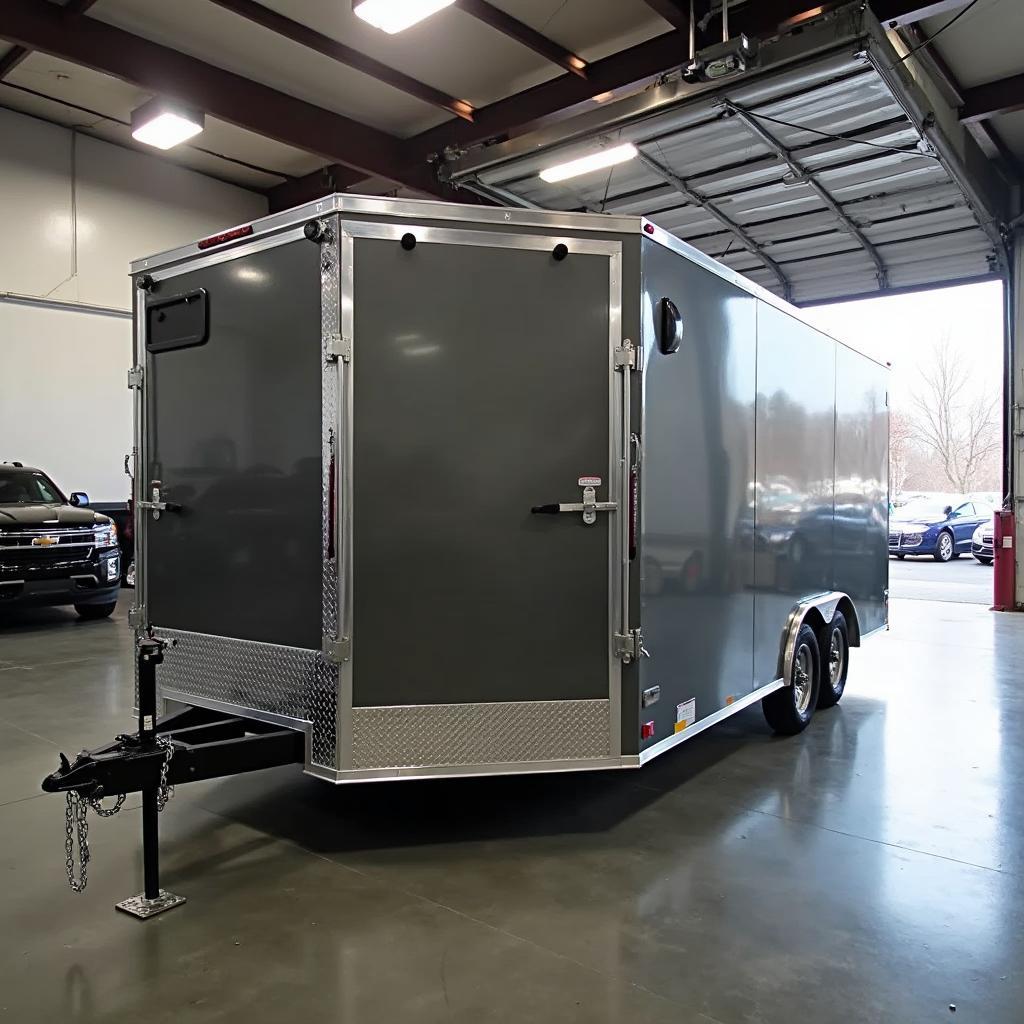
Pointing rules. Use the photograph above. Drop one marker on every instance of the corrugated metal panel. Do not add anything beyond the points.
(902, 205)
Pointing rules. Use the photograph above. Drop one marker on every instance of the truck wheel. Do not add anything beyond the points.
(95, 611)
(944, 547)
(834, 645)
(789, 709)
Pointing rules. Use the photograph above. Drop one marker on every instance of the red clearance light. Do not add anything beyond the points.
(649, 228)
(225, 236)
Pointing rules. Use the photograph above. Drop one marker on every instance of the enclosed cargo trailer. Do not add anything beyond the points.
(427, 490)
(352, 417)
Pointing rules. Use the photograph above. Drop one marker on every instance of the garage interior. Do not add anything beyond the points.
(866, 870)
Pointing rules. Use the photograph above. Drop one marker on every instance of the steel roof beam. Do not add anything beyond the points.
(712, 209)
(675, 12)
(630, 68)
(522, 33)
(302, 34)
(756, 129)
(1003, 96)
(222, 94)
(17, 54)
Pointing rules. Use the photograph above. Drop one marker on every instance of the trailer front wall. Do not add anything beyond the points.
(696, 556)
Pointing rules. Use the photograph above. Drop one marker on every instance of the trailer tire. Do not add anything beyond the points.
(95, 611)
(789, 709)
(834, 650)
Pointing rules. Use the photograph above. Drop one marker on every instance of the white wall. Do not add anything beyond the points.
(73, 213)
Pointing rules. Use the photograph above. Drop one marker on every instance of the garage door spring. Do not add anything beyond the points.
(76, 822)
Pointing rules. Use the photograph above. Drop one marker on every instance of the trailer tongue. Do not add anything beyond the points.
(191, 745)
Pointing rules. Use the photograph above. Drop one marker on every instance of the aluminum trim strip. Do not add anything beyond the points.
(713, 719)
(212, 258)
(418, 209)
(470, 771)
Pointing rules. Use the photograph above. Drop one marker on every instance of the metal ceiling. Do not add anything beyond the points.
(808, 217)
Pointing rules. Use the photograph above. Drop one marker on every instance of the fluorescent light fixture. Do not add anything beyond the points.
(163, 123)
(593, 162)
(396, 15)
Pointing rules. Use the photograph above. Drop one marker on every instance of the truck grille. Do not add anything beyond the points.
(67, 545)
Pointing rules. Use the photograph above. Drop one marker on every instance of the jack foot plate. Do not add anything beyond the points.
(139, 906)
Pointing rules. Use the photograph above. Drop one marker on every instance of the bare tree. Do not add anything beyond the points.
(960, 430)
(902, 432)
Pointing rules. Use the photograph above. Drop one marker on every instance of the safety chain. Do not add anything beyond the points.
(76, 826)
(76, 822)
(164, 792)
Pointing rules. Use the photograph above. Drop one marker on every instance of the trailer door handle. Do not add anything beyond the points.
(589, 506)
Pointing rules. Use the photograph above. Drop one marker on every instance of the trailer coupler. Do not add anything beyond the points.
(188, 746)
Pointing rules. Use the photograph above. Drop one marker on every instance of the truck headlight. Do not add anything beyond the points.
(105, 536)
(113, 568)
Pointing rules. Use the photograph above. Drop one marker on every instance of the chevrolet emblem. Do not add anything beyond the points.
(44, 542)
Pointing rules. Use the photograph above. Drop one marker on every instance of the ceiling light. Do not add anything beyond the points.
(593, 162)
(396, 15)
(164, 124)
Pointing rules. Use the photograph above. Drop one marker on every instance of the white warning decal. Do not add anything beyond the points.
(686, 714)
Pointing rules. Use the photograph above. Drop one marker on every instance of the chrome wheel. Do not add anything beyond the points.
(945, 547)
(836, 657)
(803, 679)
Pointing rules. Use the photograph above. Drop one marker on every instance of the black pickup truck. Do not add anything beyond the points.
(55, 549)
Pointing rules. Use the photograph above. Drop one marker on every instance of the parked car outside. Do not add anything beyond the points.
(54, 550)
(983, 543)
(939, 527)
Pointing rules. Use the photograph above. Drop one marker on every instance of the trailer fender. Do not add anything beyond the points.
(816, 612)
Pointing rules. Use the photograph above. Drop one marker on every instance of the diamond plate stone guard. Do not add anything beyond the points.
(439, 735)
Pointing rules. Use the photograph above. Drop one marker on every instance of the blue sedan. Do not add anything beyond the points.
(938, 529)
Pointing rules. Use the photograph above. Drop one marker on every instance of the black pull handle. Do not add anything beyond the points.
(544, 509)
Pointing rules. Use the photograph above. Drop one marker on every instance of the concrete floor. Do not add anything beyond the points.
(868, 870)
(924, 579)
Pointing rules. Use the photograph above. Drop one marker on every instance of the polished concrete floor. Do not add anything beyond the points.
(868, 870)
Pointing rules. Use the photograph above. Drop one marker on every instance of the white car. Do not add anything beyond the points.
(982, 543)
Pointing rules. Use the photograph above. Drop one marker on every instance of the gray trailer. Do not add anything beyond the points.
(436, 490)
(433, 490)
(457, 490)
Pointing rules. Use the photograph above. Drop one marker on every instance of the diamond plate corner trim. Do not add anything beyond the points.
(244, 674)
(441, 735)
(323, 708)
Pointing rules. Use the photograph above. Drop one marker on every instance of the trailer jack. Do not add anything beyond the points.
(188, 746)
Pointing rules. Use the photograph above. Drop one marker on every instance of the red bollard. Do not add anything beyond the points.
(1004, 576)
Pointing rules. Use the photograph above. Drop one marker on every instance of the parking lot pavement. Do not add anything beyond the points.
(924, 579)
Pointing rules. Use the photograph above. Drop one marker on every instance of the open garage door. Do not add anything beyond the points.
(811, 174)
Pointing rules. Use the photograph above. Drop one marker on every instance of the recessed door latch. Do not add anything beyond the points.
(158, 505)
(589, 506)
(630, 646)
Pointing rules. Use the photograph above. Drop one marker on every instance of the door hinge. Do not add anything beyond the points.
(135, 377)
(339, 348)
(625, 356)
(137, 616)
(630, 646)
(337, 651)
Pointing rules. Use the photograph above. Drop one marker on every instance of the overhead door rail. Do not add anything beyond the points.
(710, 207)
(751, 123)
